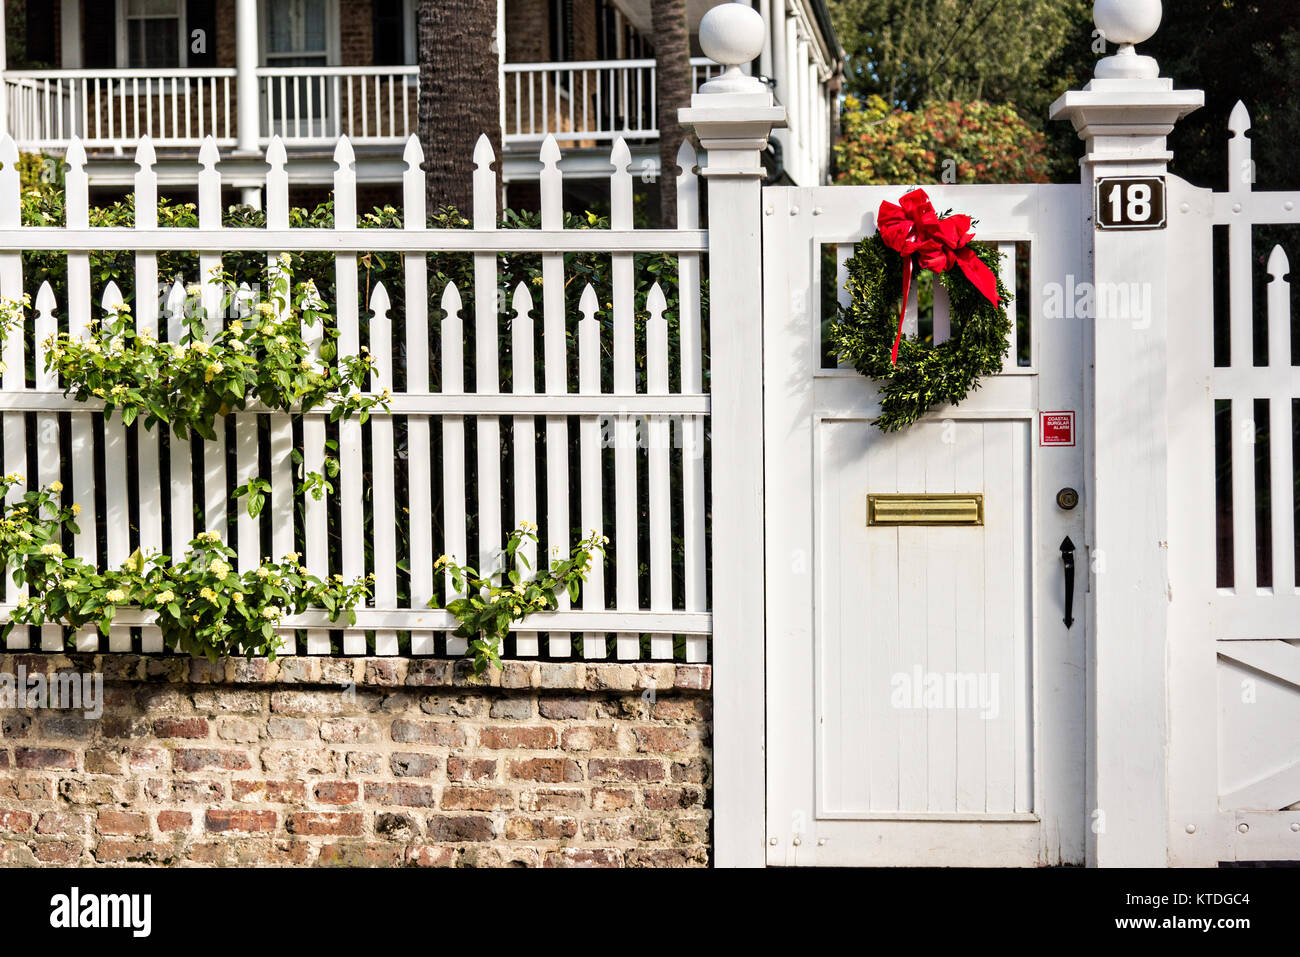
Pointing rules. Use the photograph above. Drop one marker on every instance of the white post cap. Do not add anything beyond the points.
(732, 34)
(1127, 22)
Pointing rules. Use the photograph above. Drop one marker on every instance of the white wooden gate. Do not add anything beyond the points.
(925, 699)
(1235, 615)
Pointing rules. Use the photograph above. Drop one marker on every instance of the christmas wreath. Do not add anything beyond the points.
(916, 376)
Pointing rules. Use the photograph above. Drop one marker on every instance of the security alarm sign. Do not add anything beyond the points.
(1057, 429)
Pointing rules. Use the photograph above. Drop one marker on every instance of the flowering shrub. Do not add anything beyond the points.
(189, 384)
(495, 601)
(972, 142)
(203, 607)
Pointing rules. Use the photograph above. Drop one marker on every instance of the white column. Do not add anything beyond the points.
(733, 116)
(70, 34)
(4, 65)
(248, 128)
(1124, 116)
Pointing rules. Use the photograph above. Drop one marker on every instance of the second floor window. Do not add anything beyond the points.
(154, 32)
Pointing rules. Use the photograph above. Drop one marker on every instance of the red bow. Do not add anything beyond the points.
(917, 233)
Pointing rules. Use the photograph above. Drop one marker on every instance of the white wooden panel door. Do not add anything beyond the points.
(925, 697)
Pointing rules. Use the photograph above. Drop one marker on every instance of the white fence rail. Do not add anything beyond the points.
(578, 444)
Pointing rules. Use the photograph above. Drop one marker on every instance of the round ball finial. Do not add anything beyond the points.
(732, 34)
(1127, 21)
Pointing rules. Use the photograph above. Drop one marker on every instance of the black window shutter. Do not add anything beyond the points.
(389, 32)
(201, 15)
(99, 35)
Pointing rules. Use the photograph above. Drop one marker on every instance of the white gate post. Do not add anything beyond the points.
(1124, 115)
(733, 116)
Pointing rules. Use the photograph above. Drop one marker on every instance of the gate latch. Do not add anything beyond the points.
(1067, 559)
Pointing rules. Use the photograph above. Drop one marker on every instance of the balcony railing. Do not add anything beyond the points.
(106, 108)
(585, 102)
(589, 101)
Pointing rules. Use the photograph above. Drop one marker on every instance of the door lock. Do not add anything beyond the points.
(1067, 498)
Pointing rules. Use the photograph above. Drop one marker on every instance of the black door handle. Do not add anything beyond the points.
(1067, 559)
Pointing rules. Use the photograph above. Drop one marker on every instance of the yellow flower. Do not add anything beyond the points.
(236, 327)
(219, 569)
(266, 309)
(200, 347)
(163, 597)
(56, 486)
(262, 573)
(51, 549)
(76, 509)
(239, 597)
(115, 595)
(209, 594)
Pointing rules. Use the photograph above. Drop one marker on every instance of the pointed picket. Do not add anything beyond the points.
(1241, 165)
(418, 458)
(48, 465)
(382, 486)
(180, 451)
(13, 378)
(1282, 469)
(524, 436)
(626, 557)
(692, 426)
(452, 341)
(592, 478)
(117, 509)
(660, 508)
(555, 352)
(215, 489)
(486, 370)
(148, 443)
(350, 491)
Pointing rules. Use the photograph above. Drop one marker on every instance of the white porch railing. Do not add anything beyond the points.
(106, 108)
(592, 100)
(595, 100)
(318, 104)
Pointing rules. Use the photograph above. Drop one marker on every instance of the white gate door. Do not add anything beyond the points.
(925, 699)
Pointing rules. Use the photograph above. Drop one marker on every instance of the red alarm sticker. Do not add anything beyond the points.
(1058, 429)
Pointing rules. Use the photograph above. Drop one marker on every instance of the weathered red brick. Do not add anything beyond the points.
(664, 739)
(625, 769)
(15, 822)
(546, 770)
(218, 820)
(337, 792)
(180, 727)
(174, 820)
(471, 769)
(459, 829)
(441, 733)
(590, 738)
(359, 855)
(55, 759)
(122, 822)
(402, 795)
(584, 857)
(423, 855)
(526, 738)
(323, 822)
(201, 759)
(457, 798)
(272, 792)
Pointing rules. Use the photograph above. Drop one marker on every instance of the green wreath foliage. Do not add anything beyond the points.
(927, 375)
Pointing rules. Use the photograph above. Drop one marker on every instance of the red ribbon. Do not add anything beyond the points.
(916, 232)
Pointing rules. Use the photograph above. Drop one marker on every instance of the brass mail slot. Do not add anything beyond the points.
(925, 509)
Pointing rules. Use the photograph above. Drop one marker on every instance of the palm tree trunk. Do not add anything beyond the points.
(672, 91)
(459, 96)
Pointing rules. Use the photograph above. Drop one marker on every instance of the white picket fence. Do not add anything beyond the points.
(663, 398)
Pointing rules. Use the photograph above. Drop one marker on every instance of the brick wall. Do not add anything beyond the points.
(356, 33)
(383, 762)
